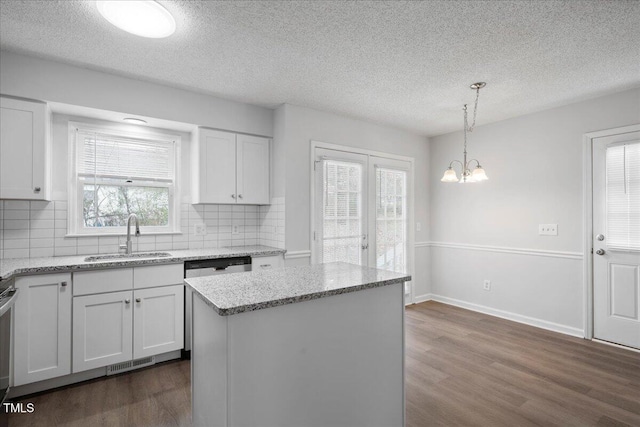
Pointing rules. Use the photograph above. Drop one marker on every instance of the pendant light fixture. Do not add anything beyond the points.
(478, 173)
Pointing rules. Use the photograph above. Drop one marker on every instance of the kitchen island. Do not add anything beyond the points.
(319, 345)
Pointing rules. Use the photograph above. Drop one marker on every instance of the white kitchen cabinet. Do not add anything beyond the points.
(25, 150)
(229, 168)
(158, 320)
(102, 330)
(123, 314)
(266, 262)
(42, 343)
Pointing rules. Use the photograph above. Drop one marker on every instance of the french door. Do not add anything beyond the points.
(361, 209)
(616, 238)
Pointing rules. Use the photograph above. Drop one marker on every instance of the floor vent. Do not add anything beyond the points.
(130, 365)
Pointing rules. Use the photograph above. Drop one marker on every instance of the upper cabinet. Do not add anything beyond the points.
(229, 168)
(25, 150)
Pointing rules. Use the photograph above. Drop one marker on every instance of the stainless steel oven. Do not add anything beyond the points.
(7, 299)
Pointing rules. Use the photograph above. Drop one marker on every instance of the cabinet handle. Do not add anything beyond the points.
(265, 265)
(233, 196)
(36, 189)
(127, 301)
(63, 284)
(239, 196)
(138, 300)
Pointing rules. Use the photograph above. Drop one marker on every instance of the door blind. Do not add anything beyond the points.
(623, 196)
(112, 156)
(342, 227)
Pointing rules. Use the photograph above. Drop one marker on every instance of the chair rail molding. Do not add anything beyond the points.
(297, 254)
(508, 250)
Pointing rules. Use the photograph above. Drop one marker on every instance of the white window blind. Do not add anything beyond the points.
(623, 196)
(391, 219)
(113, 156)
(342, 212)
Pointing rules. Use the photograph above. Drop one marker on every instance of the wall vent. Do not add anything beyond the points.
(130, 365)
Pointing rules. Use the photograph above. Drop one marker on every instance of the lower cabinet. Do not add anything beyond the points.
(120, 326)
(158, 320)
(102, 330)
(42, 340)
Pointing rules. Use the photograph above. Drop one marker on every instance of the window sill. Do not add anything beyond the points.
(154, 233)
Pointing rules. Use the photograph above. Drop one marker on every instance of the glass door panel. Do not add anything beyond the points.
(341, 220)
(391, 219)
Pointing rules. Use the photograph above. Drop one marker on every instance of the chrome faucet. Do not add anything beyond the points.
(128, 246)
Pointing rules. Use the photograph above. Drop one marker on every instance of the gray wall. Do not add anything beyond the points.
(535, 167)
(45, 80)
(299, 126)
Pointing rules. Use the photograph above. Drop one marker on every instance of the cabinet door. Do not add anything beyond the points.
(102, 330)
(217, 177)
(42, 343)
(253, 170)
(158, 320)
(23, 150)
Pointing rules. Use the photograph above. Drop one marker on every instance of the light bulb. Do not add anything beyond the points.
(479, 174)
(143, 18)
(449, 176)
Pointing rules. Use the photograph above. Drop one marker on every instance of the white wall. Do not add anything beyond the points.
(32, 229)
(45, 80)
(534, 164)
(298, 126)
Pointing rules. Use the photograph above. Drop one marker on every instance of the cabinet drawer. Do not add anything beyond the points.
(158, 275)
(266, 262)
(96, 282)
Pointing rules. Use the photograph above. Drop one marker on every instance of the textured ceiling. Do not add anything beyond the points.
(407, 64)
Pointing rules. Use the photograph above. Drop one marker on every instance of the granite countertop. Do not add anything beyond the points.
(236, 293)
(21, 266)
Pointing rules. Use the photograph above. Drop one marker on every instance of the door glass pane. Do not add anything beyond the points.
(391, 219)
(342, 223)
(623, 196)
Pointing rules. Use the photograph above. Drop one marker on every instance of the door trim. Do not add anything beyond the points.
(587, 210)
(370, 153)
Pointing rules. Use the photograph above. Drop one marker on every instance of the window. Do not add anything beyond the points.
(116, 174)
(623, 196)
(391, 219)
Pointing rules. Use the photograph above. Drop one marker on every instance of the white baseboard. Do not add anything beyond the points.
(531, 321)
(421, 298)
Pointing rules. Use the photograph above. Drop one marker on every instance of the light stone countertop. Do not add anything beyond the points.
(236, 293)
(23, 266)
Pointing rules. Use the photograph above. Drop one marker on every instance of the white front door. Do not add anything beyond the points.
(616, 238)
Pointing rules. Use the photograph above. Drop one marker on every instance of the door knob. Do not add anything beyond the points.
(600, 237)
(233, 196)
(138, 300)
(127, 301)
(239, 196)
(600, 251)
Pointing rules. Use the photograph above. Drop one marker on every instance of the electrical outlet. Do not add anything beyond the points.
(235, 230)
(200, 229)
(487, 285)
(418, 226)
(548, 229)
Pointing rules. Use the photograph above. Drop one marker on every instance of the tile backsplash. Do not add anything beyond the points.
(30, 229)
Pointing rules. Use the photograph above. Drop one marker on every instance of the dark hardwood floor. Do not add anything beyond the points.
(463, 368)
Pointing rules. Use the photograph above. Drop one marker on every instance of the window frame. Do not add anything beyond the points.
(75, 186)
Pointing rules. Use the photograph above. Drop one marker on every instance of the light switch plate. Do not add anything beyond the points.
(548, 229)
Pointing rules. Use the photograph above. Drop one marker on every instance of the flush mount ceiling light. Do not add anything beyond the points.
(478, 173)
(135, 121)
(143, 18)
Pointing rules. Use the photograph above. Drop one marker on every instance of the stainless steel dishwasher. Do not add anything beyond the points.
(208, 267)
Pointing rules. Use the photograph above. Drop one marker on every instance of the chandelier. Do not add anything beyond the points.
(478, 173)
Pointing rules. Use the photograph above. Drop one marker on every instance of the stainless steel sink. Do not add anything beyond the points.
(127, 256)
